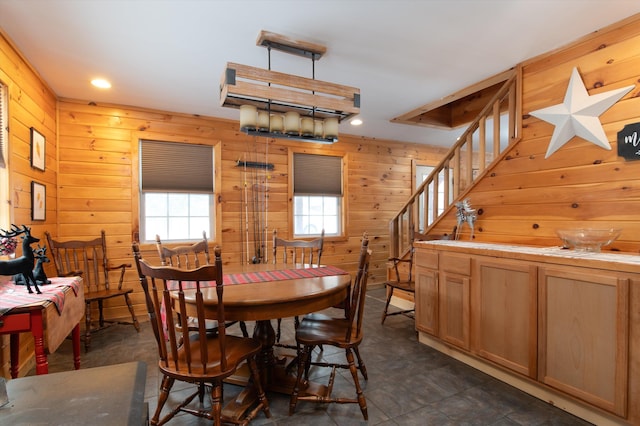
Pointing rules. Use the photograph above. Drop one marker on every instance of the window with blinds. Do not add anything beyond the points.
(317, 194)
(176, 191)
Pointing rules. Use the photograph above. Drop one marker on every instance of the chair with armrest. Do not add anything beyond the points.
(196, 356)
(406, 283)
(296, 252)
(346, 333)
(89, 260)
(191, 257)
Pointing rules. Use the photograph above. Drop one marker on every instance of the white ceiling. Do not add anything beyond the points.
(170, 54)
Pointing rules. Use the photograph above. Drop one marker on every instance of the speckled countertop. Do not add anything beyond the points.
(624, 261)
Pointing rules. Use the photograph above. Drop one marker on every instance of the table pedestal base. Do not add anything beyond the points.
(275, 373)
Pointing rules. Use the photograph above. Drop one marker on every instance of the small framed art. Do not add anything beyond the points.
(37, 149)
(38, 201)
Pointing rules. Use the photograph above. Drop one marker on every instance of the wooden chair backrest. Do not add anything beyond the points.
(298, 251)
(159, 283)
(84, 258)
(185, 257)
(418, 236)
(144, 283)
(359, 290)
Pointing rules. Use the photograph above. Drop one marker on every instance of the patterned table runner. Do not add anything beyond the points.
(12, 295)
(281, 274)
(264, 276)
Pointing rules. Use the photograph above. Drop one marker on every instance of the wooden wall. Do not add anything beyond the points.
(525, 197)
(97, 181)
(31, 104)
(91, 176)
(92, 157)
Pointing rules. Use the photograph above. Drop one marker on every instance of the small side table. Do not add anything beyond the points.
(110, 395)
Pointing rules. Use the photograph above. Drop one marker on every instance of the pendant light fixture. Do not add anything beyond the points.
(279, 105)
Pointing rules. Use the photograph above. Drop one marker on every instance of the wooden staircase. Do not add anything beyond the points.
(494, 130)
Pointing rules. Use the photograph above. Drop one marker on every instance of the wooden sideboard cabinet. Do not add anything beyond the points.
(505, 313)
(426, 294)
(453, 293)
(555, 321)
(583, 334)
(442, 296)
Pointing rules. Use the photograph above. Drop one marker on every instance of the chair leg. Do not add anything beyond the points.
(362, 402)
(361, 366)
(278, 330)
(165, 388)
(243, 328)
(87, 323)
(262, 398)
(100, 314)
(302, 362)
(136, 324)
(386, 306)
(216, 402)
(201, 390)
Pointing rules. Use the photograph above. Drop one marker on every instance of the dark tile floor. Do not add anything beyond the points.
(409, 383)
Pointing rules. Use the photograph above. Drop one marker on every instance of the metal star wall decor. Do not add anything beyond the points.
(579, 114)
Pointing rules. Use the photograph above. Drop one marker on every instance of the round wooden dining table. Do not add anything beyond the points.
(281, 296)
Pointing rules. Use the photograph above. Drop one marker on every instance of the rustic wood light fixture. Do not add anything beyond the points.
(279, 105)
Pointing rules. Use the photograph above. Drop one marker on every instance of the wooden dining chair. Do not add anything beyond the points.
(190, 257)
(89, 260)
(187, 256)
(296, 252)
(195, 356)
(403, 274)
(346, 333)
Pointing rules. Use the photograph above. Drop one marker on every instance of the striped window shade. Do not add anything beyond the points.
(175, 167)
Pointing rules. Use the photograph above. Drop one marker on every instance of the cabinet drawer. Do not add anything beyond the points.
(426, 259)
(455, 263)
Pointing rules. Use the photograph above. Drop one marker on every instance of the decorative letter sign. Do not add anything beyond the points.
(629, 142)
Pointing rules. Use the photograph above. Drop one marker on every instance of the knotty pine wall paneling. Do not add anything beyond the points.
(98, 167)
(524, 198)
(31, 104)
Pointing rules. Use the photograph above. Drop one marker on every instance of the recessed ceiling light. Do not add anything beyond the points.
(101, 83)
(356, 122)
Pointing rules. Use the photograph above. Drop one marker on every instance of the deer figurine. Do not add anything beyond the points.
(40, 276)
(24, 264)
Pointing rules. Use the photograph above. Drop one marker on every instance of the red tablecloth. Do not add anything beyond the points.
(12, 295)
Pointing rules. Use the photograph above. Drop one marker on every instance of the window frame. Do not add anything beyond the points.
(343, 205)
(216, 230)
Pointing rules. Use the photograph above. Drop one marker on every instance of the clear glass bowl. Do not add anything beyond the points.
(588, 239)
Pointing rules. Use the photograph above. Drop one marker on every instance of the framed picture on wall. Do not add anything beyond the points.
(38, 201)
(37, 149)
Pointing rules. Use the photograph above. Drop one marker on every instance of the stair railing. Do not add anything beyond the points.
(490, 134)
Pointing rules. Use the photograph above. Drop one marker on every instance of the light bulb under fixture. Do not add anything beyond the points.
(356, 122)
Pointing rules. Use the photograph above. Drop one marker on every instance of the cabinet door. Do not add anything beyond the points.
(504, 314)
(583, 335)
(426, 298)
(454, 309)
